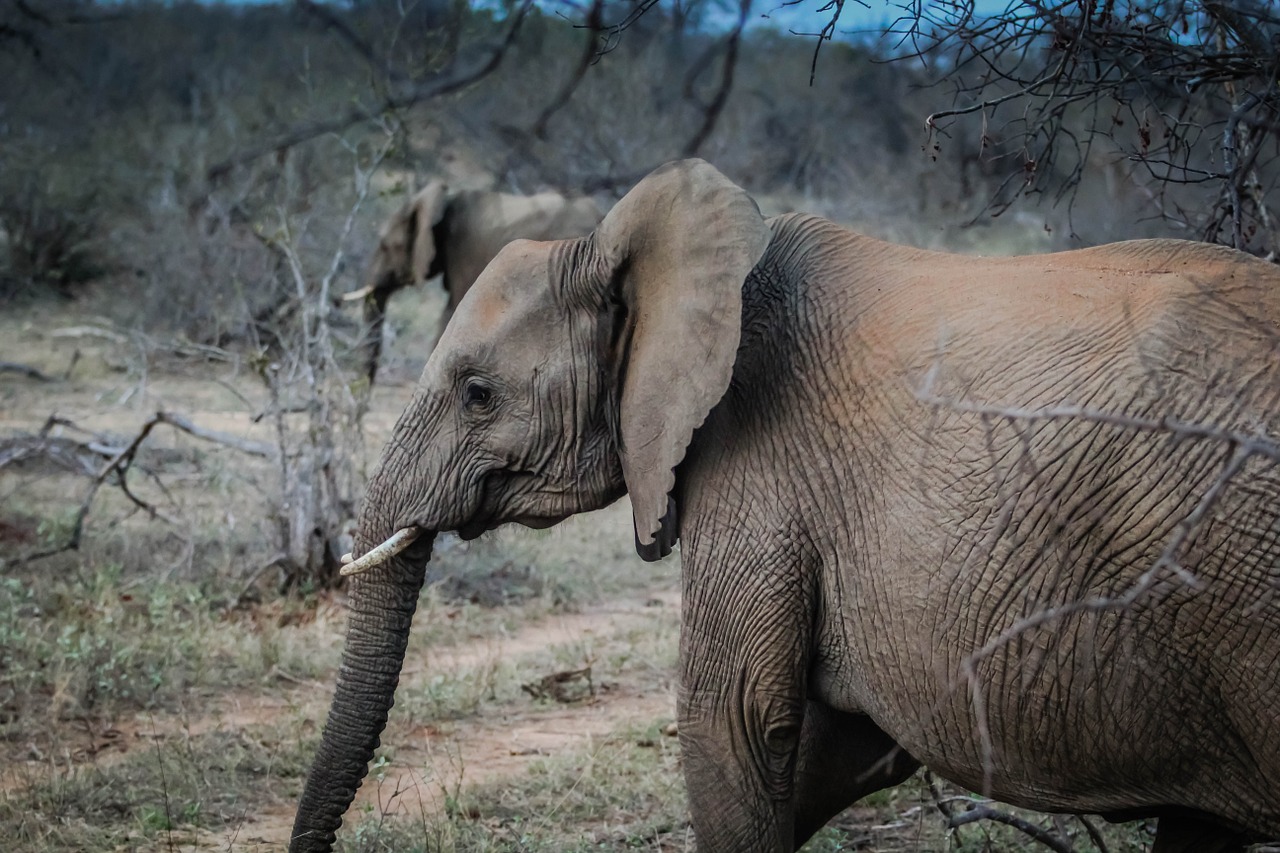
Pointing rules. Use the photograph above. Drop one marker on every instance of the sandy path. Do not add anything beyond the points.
(432, 760)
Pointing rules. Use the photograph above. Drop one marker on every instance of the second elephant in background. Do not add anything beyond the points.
(455, 235)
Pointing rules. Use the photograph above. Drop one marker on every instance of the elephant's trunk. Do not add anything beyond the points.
(382, 603)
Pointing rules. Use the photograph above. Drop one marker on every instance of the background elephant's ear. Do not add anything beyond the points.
(426, 211)
(681, 244)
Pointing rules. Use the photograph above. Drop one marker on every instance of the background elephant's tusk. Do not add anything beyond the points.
(346, 558)
(353, 295)
(396, 543)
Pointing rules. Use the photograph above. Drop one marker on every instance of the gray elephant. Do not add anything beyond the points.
(455, 235)
(1014, 519)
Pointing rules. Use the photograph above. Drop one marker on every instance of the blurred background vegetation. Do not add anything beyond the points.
(158, 148)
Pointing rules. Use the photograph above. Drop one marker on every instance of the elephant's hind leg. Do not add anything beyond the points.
(1176, 834)
(841, 758)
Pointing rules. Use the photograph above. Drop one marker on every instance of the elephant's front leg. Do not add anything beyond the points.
(743, 649)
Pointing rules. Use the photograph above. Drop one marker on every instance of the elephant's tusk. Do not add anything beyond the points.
(396, 543)
(353, 295)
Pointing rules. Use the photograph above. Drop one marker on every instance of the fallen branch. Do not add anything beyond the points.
(254, 448)
(118, 463)
(68, 454)
(982, 811)
(89, 332)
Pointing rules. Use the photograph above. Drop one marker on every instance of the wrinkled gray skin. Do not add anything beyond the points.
(455, 235)
(871, 566)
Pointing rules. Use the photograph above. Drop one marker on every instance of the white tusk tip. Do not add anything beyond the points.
(395, 543)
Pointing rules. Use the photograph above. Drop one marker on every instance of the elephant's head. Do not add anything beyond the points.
(574, 371)
(409, 252)
(456, 235)
(406, 253)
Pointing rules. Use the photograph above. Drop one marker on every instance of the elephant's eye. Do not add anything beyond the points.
(476, 395)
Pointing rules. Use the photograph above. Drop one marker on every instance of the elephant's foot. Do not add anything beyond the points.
(841, 758)
(1192, 835)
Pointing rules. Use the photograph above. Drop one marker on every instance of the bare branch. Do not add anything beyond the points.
(594, 23)
(1160, 580)
(983, 811)
(712, 113)
(1254, 444)
(445, 82)
(613, 32)
(253, 448)
(836, 8)
(347, 35)
(1158, 81)
(118, 463)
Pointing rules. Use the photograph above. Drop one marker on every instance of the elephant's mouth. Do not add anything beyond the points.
(473, 529)
(477, 527)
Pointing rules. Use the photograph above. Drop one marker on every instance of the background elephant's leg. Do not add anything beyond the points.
(842, 757)
(375, 316)
(1192, 835)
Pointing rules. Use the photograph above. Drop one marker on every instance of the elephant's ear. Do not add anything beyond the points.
(680, 246)
(426, 210)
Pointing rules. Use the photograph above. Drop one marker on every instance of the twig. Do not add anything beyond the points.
(1259, 444)
(1095, 835)
(982, 811)
(1241, 447)
(979, 810)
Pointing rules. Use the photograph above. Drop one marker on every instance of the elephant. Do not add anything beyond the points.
(455, 234)
(1013, 519)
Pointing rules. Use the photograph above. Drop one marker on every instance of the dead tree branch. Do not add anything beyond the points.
(983, 811)
(711, 115)
(449, 80)
(1172, 86)
(76, 457)
(590, 53)
(333, 22)
(253, 448)
(118, 464)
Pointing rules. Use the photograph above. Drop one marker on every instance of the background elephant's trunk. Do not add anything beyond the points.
(381, 286)
(382, 606)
